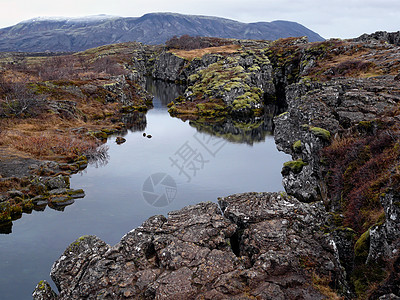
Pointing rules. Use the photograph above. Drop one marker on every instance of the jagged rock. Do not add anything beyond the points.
(267, 245)
(315, 109)
(168, 67)
(43, 291)
(385, 238)
(389, 37)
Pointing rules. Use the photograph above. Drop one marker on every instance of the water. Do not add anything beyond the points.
(220, 159)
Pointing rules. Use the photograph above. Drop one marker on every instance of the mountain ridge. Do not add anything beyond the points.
(81, 33)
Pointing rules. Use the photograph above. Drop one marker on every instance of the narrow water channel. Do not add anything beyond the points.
(182, 163)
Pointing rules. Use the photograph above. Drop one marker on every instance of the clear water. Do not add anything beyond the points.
(181, 164)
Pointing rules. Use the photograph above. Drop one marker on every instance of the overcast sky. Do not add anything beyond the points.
(329, 18)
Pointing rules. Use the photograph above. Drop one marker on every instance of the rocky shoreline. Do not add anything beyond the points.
(264, 245)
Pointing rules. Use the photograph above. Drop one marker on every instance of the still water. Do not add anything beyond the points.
(182, 163)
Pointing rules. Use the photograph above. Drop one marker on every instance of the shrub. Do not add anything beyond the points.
(17, 100)
(363, 172)
(351, 66)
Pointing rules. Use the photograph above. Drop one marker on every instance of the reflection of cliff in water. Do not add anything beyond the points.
(165, 92)
(249, 131)
(135, 121)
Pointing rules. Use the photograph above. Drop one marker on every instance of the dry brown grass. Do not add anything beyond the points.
(48, 137)
(322, 284)
(191, 54)
(51, 145)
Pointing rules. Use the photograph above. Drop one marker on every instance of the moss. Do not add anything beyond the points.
(254, 68)
(15, 210)
(366, 125)
(75, 192)
(294, 166)
(233, 85)
(132, 108)
(321, 133)
(99, 135)
(5, 216)
(193, 77)
(76, 243)
(27, 206)
(247, 100)
(361, 248)
(81, 158)
(41, 285)
(108, 131)
(211, 109)
(296, 146)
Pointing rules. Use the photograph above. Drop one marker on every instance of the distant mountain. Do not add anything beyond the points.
(76, 34)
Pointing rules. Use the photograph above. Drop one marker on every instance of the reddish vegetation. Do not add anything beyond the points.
(369, 166)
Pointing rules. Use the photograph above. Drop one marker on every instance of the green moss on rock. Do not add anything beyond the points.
(361, 248)
(296, 146)
(294, 166)
(321, 133)
(99, 135)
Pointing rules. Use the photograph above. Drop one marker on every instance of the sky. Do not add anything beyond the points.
(331, 19)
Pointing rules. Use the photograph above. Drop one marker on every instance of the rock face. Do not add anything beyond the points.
(265, 245)
(217, 84)
(389, 37)
(385, 238)
(316, 112)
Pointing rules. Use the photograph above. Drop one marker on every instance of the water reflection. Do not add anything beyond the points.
(135, 121)
(6, 228)
(249, 131)
(99, 158)
(245, 131)
(165, 92)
